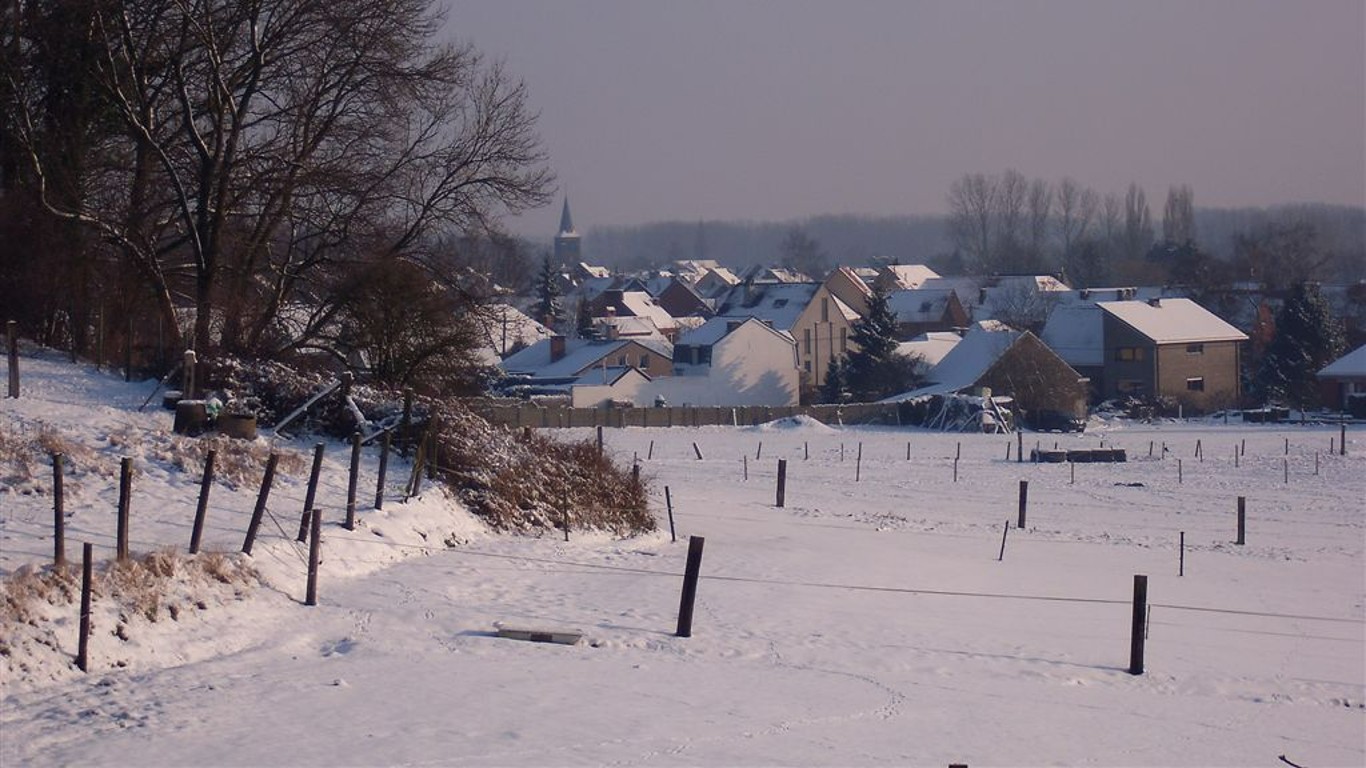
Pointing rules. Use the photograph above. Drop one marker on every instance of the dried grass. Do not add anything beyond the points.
(237, 463)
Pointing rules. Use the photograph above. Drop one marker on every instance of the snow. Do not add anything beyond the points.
(983, 345)
(1172, 321)
(867, 622)
(1077, 334)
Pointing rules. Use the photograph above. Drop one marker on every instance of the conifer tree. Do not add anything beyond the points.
(834, 389)
(1307, 338)
(549, 310)
(874, 370)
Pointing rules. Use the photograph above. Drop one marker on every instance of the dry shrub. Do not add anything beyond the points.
(26, 456)
(28, 586)
(520, 483)
(237, 463)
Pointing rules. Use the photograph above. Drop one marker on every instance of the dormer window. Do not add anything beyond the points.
(779, 303)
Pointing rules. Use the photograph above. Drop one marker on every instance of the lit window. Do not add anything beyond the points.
(1196, 384)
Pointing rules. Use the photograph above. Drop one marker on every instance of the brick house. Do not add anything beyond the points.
(1170, 348)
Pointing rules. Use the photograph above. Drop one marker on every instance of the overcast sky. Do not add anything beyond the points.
(779, 110)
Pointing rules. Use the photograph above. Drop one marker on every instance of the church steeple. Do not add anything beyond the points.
(566, 221)
(567, 241)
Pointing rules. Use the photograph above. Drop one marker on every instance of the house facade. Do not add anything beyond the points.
(732, 361)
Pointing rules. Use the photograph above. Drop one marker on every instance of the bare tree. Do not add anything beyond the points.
(1011, 201)
(1040, 208)
(972, 201)
(265, 148)
(1178, 216)
(1138, 225)
(1077, 209)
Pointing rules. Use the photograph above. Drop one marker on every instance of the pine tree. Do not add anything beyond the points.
(834, 389)
(549, 309)
(583, 320)
(1307, 338)
(874, 370)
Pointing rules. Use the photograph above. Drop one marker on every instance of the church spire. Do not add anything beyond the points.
(566, 221)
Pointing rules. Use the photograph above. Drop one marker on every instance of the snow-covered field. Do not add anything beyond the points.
(868, 622)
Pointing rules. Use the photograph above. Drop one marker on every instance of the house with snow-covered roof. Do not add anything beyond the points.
(503, 329)
(1169, 348)
(903, 277)
(1047, 392)
(1343, 382)
(820, 322)
(615, 302)
(733, 361)
(924, 310)
(851, 289)
(559, 364)
(928, 349)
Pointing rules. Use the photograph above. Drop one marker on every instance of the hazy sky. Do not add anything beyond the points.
(779, 110)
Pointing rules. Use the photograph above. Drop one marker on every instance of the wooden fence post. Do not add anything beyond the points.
(759, 451)
(1181, 569)
(58, 513)
(1342, 437)
(1179, 478)
(599, 442)
(202, 510)
(697, 451)
(312, 491)
(650, 454)
(1019, 447)
(782, 481)
(12, 335)
(261, 497)
(125, 492)
(1242, 520)
(83, 645)
(669, 504)
(383, 469)
(1024, 500)
(858, 462)
(1139, 629)
(1004, 531)
(744, 460)
(314, 549)
(351, 482)
(689, 596)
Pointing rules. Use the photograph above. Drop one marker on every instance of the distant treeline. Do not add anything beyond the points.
(869, 240)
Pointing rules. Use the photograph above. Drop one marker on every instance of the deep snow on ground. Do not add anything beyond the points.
(868, 622)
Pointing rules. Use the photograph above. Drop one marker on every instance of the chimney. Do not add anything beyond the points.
(613, 332)
(981, 296)
(1119, 294)
(556, 348)
(1085, 293)
(1155, 302)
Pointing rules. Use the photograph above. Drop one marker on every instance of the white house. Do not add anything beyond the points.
(732, 361)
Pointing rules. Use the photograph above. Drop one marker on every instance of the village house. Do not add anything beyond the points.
(1342, 382)
(732, 361)
(559, 364)
(926, 310)
(1047, 392)
(809, 312)
(1165, 348)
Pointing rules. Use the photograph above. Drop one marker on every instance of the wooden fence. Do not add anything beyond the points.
(555, 415)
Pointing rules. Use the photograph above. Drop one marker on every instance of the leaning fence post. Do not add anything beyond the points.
(669, 504)
(312, 491)
(689, 596)
(697, 451)
(125, 491)
(1139, 630)
(782, 481)
(202, 510)
(260, 510)
(58, 513)
(12, 332)
(351, 482)
(314, 547)
(1024, 500)
(83, 646)
(1005, 531)
(383, 469)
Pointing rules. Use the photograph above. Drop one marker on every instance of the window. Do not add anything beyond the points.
(825, 310)
(807, 366)
(779, 303)
(621, 361)
(844, 340)
(1195, 349)
(806, 341)
(644, 361)
(1196, 384)
(1128, 354)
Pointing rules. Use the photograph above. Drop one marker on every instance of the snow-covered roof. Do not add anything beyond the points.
(779, 304)
(642, 304)
(1076, 332)
(960, 369)
(1172, 321)
(910, 275)
(504, 327)
(931, 347)
(629, 327)
(1350, 366)
(918, 305)
(578, 355)
(717, 328)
